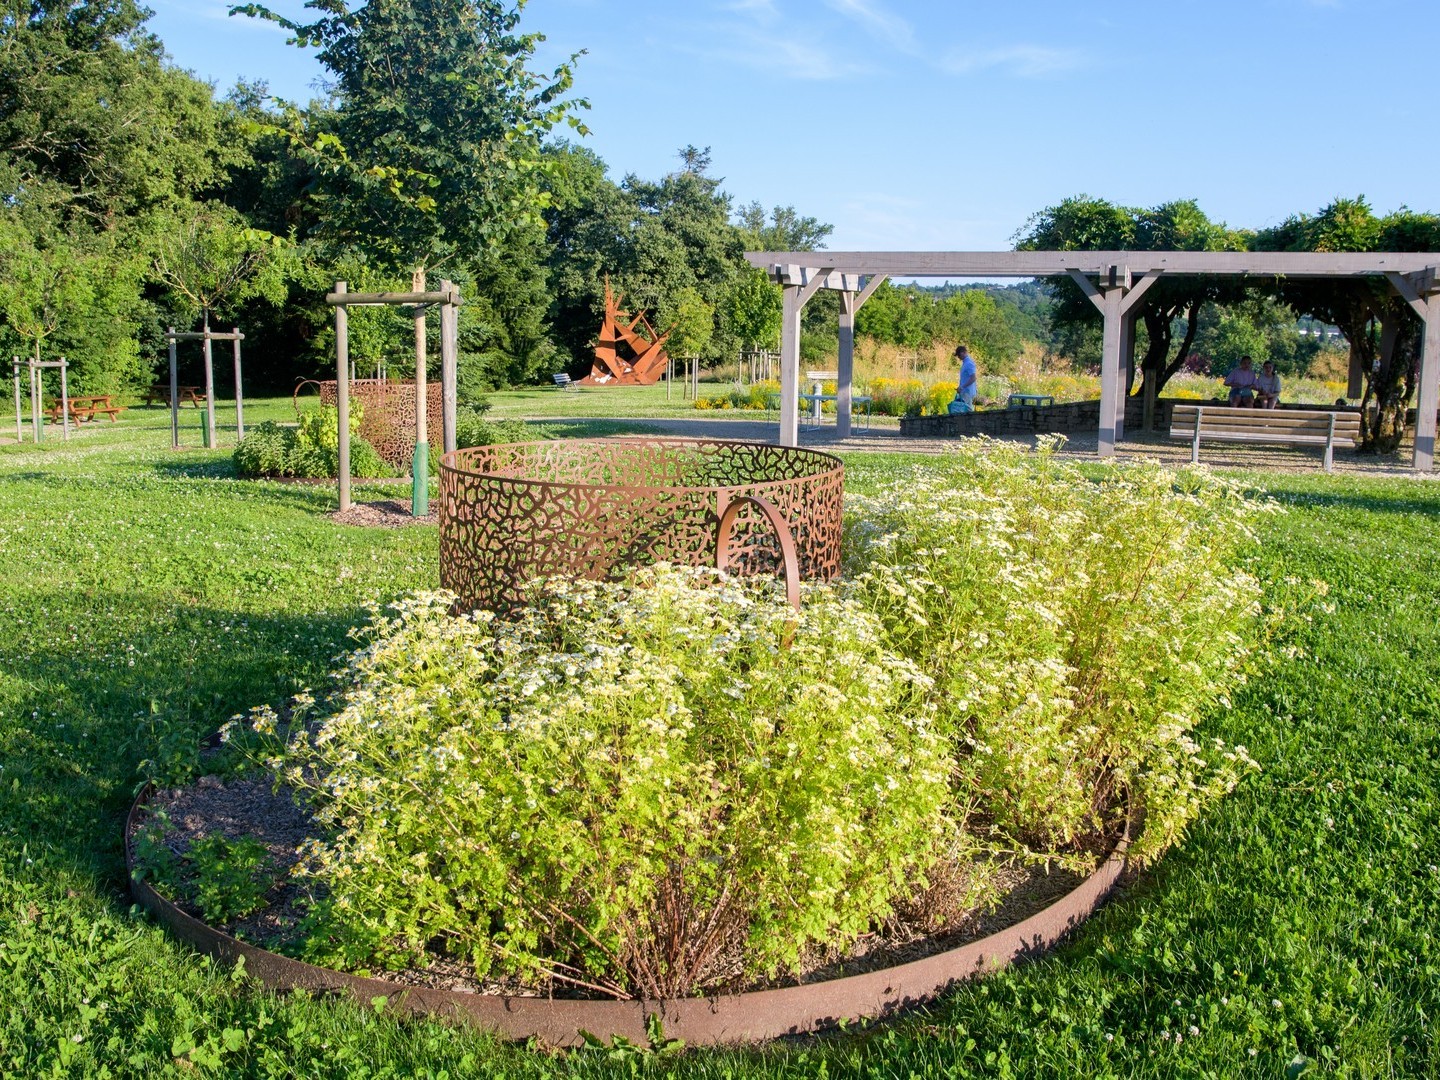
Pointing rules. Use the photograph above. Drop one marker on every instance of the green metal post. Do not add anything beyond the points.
(420, 490)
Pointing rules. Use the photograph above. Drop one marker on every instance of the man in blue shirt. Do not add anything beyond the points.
(969, 376)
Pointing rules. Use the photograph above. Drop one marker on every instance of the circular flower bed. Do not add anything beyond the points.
(675, 785)
(592, 508)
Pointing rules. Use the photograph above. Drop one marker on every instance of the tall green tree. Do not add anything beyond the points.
(433, 149)
(1170, 311)
(1383, 332)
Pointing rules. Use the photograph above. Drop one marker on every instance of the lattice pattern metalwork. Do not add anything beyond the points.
(592, 508)
(388, 418)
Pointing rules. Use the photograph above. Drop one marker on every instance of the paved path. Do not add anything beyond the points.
(1079, 446)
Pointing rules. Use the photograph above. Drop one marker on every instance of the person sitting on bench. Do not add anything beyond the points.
(1242, 384)
(1267, 386)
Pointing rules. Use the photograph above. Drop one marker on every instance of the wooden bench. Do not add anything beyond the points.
(1287, 427)
(85, 408)
(160, 392)
(564, 382)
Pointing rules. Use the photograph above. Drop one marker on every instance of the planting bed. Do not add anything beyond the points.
(714, 1019)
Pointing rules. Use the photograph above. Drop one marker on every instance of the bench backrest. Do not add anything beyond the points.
(1279, 424)
(561, 379)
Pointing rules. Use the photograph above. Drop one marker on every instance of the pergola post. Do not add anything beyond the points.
(239, 393)
(420, 463)
(1127, 367)
(850, 304)
(64, 402)
(845, 369)
(449, 369)
(209, 387)
(174, 394)
(790, 366)
(342, 393)
(15, 371)
(1422, 293)
(1429, 387)
(1116, 297)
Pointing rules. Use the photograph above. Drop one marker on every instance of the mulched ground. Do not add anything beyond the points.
(387, 514)
(238, 807)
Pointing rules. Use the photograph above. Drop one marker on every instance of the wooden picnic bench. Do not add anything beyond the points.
(160, 392)
(1287, 427)
(85, 407)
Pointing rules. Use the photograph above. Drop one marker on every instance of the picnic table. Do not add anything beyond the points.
(161, 392)
(85, 407)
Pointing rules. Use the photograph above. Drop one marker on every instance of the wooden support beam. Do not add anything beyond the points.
(204, 335)
(449, 369)
(1426, 407)
(963, 264)
(342, 393)
(378, 299)
(873, 282)
(792, 305)
(845, 371)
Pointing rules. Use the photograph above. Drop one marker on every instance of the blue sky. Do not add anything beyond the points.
(945, 125)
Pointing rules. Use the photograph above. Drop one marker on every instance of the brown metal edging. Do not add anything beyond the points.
(699, 1021)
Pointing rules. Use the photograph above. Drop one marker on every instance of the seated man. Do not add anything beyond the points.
(1267, 387)
(1242, 384)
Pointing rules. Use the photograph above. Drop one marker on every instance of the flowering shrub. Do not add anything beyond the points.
(1076, 631)
(657, 785)
(311, 449)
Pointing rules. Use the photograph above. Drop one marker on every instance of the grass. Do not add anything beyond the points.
(146, 595)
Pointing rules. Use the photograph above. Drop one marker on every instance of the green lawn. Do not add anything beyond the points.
(147, 595)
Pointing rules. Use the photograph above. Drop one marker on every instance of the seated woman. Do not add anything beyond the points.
(1267, 387)
(1242, 384)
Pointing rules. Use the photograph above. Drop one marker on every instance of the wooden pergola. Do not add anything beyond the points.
(1113, 280)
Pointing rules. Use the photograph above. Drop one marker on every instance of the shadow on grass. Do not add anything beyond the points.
(80, 731)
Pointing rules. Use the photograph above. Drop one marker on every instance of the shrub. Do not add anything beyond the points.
(1076, 630)
(310, 450)
(649, 786)
(265, 450)
(472, 429)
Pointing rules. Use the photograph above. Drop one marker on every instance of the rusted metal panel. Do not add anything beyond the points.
(592, 508)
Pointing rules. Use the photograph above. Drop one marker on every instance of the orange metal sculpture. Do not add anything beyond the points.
(624, 356)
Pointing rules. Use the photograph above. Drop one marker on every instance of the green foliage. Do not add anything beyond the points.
(433, 146)
(228, 878)
(621, 763)
(213, 262)
(473, 429)
(1077, 631)
(1383, 331)
(1309, 886)
(266, 450)
(691, 321)
(310, 450)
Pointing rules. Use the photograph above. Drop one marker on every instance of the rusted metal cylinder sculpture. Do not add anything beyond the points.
(387, 420)
(593, 508)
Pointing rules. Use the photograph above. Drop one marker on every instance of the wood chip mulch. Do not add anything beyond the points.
(389, 514)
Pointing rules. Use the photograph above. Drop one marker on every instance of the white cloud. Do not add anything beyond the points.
(1024, 61)
(897, 31)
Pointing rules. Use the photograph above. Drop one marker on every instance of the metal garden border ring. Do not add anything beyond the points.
(724, 1019)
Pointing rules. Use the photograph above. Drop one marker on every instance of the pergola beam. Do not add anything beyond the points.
(1054, 263)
